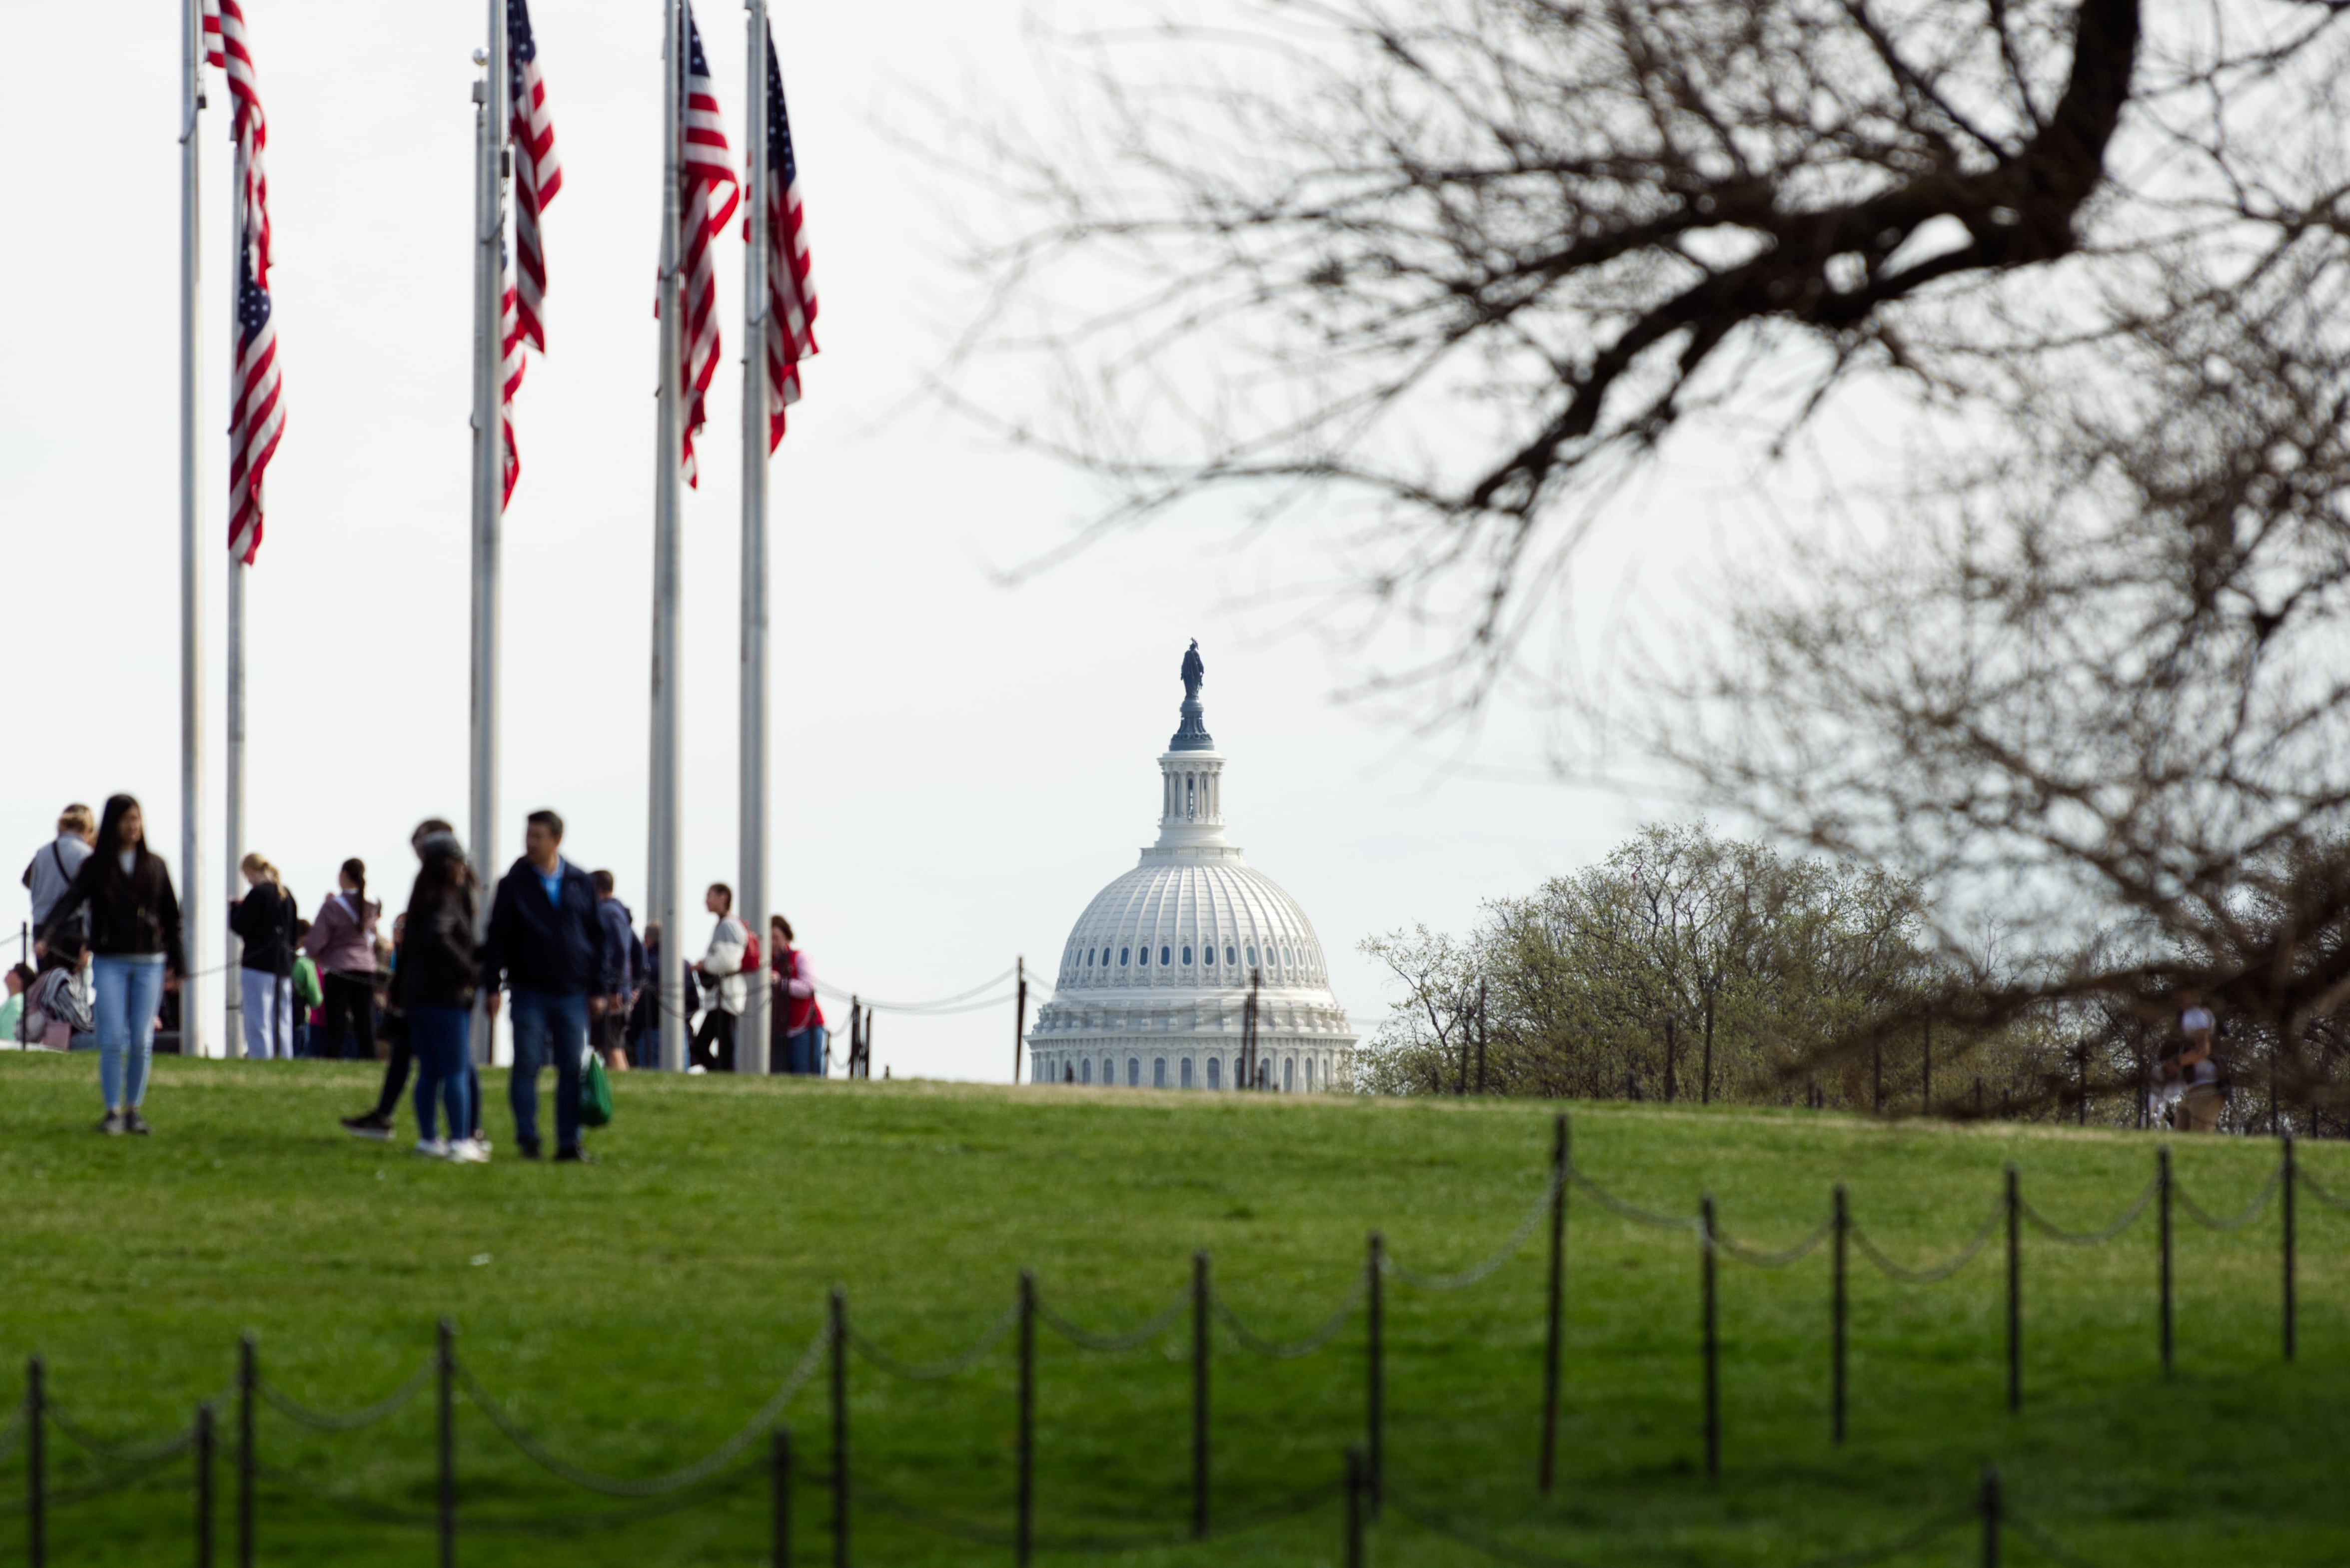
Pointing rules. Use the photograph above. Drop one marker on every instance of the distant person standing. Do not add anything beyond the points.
(263, 921)
(429, 836)
(721, 969)
(134, 924)
(2201, 1099)
(434, 984)
(801, 1038)
(309, 996)
(624, 961)
(13, 1032)
(546, 941)
(47, 876)
(644, 1013)
(342, 938)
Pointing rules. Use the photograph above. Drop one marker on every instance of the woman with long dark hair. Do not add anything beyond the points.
(435, 987)
(134, 920)
(342, 940)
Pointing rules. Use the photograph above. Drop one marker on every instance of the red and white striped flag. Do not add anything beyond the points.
(256, 408)
(538, 176)
(211, 40)
(791, 292)
(704, 166)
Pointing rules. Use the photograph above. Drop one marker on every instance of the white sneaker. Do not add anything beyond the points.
(466, 1151)
(433, 1147)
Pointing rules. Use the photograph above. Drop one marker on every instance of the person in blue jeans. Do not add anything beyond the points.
(548, 946)
(433, 987)
(134, 932)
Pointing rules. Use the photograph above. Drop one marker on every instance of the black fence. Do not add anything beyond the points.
(761, 1452)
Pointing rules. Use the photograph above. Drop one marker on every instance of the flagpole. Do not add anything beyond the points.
(192, 557)
(233, 791)
(669, 991)
(489, 460)
(752, 1046)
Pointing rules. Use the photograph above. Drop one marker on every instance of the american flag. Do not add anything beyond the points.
(538, 175)
(791, 293)
(213, 55)
(703, 168)
(256, 410)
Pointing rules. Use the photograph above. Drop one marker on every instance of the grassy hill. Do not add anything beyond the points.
(634, 1314)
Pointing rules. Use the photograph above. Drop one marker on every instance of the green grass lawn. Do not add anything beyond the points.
(635, 1313)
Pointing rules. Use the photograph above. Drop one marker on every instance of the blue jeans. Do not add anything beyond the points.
(438, 1036)
(804, 1051)
(548, 1028)
(129, 988)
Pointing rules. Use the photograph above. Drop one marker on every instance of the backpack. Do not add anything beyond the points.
(750, 953)
(75, 932)
(56, 999)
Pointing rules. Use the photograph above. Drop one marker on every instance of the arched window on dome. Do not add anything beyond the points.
(1187, 953)
(1144, 956)
(1162, 955)
(1158, 1072)
(1284, 956)
(1215, 1074)
(1208, 955)
(1190, 796)
(1187, 1072)
(1133, 1072)
(1309, 1074)
(1086, 1071)
(1252, 952)
(1122, 953)
(1230, 957)
(1289, 1075)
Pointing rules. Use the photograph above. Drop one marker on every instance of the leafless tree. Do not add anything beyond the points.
(1455, 271)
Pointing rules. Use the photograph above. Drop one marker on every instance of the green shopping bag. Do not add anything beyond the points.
(595, 1092)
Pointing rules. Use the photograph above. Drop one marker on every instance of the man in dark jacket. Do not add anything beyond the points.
(548, 943)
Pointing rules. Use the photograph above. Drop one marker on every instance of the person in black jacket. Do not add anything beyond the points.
(547, 944)
(433, 987)
(263, 921)
(134, 930)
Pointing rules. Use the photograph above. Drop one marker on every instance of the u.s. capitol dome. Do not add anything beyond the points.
(1156, 976)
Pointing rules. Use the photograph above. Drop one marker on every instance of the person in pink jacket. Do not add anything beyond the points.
(342, 942)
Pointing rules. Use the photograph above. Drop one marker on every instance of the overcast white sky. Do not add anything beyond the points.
(959, 765)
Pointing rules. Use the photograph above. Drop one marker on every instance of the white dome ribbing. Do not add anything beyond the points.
(1155, 973)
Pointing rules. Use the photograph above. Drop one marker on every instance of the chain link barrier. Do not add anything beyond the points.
(988, 1340)
(1085, 1338)
(2056, 1232)
(134, 1456)
(691, 1475)
(1477, 1273)
(1936, 1272)
(1629, 1210)
(1091, 1545)
(2051, 1548)
(2311, 1185)
(2242, 1217)
(318, 1420)
(1275, 1350)
(1783, 1256)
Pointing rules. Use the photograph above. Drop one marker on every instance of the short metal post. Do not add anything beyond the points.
(1376, 1400)
(36, 1455)
(247, 1374)
(1025, 1500)
(1671, 1064)
(1837, 1319)
(1200, 1304)
(1705, 1076)
(1712, 1343)
(1876, 1076)
(1552, 1342)
(446, 1359)
(1356, 1488)
(204, 1486)
(1927, 1092)
(1989, 1506)
(2015, 1294)
(2080, 1116)
(2162, 1227)
(2289, 1182)
(839, 1428)
(780, 1471)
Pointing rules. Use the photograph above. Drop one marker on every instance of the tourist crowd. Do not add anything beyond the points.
(108, 954)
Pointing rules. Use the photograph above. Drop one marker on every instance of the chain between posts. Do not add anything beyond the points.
(2242, 1217)
(1083, 1338)
(1313, 1340)
(700, 1470)
(1935, 1274)
(319, 1420)
(1478, 1273)
(2056, 1232)
(990, 1337)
